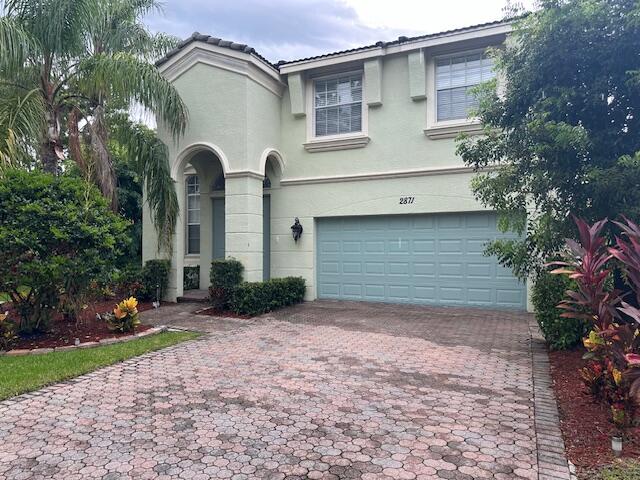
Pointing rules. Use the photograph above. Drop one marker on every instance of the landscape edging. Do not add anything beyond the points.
(99, 343)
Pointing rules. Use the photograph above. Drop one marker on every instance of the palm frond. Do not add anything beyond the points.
(151, 158)
(21, 123)
(16, 44)
(129, 78)
(58, 25)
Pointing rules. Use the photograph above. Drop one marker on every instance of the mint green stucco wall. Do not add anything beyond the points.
(243, 119)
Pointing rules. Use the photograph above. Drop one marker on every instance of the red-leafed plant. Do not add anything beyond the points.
(613, 344)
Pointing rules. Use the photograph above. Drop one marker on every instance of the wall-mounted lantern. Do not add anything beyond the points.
(296, 230)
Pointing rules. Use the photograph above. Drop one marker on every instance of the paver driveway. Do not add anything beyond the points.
(322, 390)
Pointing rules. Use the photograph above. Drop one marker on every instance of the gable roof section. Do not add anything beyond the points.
(211, 40)
(241, 47)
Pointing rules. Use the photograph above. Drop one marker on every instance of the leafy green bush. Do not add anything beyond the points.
(154, 273)
(255, 298)
(8, 335)
(225, 276)
(57, 236)
(560, 333)
(191, 277)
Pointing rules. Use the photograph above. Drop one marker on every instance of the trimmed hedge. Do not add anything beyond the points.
(225, 276)
(191, 277)
(154, 273)
(560, 333)
(255, 298)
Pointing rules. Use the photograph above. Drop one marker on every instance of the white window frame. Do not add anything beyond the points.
(310, 88)
(187, 209)
(447, 128)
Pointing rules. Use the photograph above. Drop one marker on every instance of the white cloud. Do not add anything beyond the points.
(290, 29)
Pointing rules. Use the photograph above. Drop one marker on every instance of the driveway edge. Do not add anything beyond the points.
(552, 461)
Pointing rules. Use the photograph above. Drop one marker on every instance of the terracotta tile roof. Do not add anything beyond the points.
(241, 47)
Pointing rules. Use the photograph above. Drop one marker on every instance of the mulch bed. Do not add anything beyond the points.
(215, 312)
(89, 329)
(585, 423)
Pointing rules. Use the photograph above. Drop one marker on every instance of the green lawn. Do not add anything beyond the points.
(31, 372)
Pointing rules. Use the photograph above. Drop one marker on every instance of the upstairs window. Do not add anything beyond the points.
(338, 105)
(455, 77)
(193, 215)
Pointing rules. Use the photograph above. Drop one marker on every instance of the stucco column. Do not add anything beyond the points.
(243, 223)
(175, 288)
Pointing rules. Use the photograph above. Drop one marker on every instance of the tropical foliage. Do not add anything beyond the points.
(562, 130)
(613, 343)
(66, 67)
(58, 235)
(125, 316)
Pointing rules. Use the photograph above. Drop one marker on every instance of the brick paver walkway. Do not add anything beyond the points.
(324, 390)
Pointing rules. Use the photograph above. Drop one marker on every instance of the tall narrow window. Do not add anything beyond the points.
(338, 105)
(193, 215)
(455, 77)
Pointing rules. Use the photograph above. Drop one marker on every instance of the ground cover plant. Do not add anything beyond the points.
(26, 373)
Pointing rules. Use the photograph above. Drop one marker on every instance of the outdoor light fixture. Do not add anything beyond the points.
(296, 230)
(616, 445)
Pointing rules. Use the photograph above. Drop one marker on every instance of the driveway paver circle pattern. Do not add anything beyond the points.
(327, 390)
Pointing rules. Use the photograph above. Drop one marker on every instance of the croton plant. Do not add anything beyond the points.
(613, 344)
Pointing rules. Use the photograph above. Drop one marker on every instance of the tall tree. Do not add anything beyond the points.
(564, 135)
(86, 58)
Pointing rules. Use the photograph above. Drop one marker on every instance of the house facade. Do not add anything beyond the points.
(359, 146)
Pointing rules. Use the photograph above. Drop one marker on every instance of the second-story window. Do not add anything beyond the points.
(338, 105)
(193, 215)
(456, 75)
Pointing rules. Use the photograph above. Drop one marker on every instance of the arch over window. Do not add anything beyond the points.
(193, 215)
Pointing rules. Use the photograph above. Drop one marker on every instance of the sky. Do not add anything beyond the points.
(292, 29)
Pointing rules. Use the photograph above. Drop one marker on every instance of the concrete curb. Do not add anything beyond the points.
(552, 461)
(104, 341)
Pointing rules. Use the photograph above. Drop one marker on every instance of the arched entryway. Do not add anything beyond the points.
(270, 184)
(198, 173)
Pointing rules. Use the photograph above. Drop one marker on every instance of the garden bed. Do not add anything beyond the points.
(585, 423)
(89, 329)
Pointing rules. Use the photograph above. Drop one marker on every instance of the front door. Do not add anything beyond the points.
(218, 228)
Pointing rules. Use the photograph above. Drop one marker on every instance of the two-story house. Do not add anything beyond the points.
(359, 145)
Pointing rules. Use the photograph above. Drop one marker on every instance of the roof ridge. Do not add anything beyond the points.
(244, 48)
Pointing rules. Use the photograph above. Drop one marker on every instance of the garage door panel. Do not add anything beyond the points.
(424, 259)
(351, 267)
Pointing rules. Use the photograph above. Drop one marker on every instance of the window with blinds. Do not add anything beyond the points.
(455, 77)
(193, 215)
(338, 105)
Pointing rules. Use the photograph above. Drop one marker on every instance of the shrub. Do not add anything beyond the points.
(8, 335)
(57, 235)
(613, 344)
(125, 316)
(154, 273)
(560, 332)
(127, 281)
(191, 277)
(225, 276)
(255, 298)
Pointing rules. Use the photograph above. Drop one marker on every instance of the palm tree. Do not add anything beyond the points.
(65, 65)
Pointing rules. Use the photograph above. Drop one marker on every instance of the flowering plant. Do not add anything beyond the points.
(125, 316)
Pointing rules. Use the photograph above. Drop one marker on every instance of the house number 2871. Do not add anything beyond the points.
(406, 200)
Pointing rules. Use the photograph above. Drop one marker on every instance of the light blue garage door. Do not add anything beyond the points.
(423, 259)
